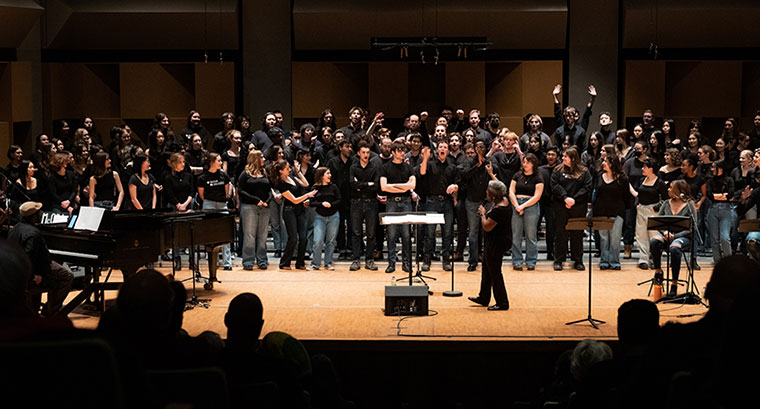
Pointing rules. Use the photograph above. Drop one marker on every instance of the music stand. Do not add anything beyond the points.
(414, 219)
(590, 223)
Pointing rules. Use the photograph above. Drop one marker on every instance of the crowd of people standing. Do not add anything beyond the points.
(320, 188)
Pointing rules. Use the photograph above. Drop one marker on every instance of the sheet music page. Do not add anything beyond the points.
(89, 218)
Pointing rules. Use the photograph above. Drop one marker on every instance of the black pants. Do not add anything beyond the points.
(363, 212)
(295, 223)
(344, 227)
(547, 213)
(561, 215)
(58, 284)
(491, 278)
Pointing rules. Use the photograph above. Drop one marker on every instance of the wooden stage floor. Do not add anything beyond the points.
(345, 305)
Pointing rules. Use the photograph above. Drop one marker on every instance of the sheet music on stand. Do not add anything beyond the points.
(89, 218)
(412, 218)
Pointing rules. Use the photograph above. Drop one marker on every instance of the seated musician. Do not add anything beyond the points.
(46, 273)
(681, 203)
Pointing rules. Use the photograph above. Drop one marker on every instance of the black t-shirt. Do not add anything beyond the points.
(144, 191)
(253, 189)
(495, 237)
(178, 187)
(525, 185)
(213, 185)
(649, 195)
(671, 176)
(232, 163)
(326, 193)
(397, 173)
(105, 187)
(695, 184)
(294, 189)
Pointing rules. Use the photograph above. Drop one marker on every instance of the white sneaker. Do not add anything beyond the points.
(330, 267)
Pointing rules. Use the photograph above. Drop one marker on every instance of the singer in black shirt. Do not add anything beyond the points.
(439, 178)
(571, 190)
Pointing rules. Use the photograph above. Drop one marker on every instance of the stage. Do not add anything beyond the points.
(344, 305)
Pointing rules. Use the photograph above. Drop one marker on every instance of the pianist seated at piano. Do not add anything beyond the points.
(105, 186)
(46, 273)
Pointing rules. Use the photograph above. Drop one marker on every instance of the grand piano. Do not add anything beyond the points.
(128, 240)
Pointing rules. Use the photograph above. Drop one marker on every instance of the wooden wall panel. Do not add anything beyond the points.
(83, 89)
(5, 92)
(388, 90)
(5, 142)
(214, 88)
(538, 81)
(504, 90)
(644, 87)
(427, 87)
(706, 88)
(21, 90)
(466, 86)
(148, 88)
(338, 86)
(750, 90)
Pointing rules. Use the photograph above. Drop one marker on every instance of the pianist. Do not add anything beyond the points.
(46, 273)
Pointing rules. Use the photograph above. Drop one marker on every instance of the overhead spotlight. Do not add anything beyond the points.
(422, 56)
(437, 55)
(221, 59)
(205, 56)
(459, 51)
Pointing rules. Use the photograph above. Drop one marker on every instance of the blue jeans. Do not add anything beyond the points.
(445, 206)
(325, 232)
(394, 230)
(255, 220)
(704, 236)
(610, 244)
(311, 213)
(677, 247)
(526, 223)
(279, 233)
(363, 211)
(720, 223)
(226, 258)
(473, 224)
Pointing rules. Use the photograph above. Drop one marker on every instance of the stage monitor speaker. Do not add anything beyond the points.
(406, 300)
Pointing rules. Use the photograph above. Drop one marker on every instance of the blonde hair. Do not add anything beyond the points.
(253, 163)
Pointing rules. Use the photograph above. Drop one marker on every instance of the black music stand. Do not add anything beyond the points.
(590, 223)
(452, 292)
(194, 257)
(413, 219)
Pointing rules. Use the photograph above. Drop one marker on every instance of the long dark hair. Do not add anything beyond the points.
(275, 169)
(683, 189)
(24, 171)
(137, 162)
(613, 161)
(99, 164)
(576, 167)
